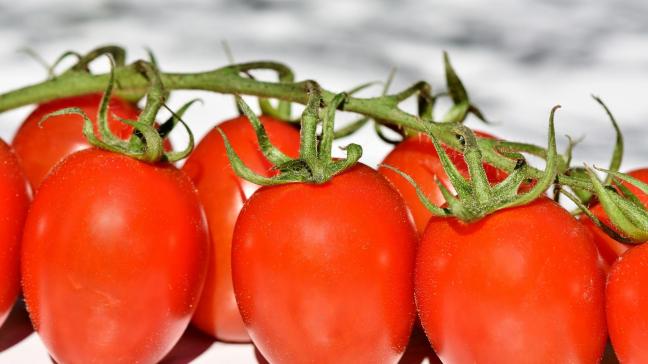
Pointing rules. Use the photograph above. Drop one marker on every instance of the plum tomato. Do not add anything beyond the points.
(222, 194)
(626, 301)
(521, 285)
(114, 258)
(39, 148)
(610, 249)
(325, 272)
(14, 201)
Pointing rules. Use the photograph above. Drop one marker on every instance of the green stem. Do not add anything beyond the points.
(617, 154)
(134, 81)
(328, 133)
(132, 85)
(308, 148)
(156, 96)
(473, 158)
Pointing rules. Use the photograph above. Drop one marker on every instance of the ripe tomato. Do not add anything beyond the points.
(325, 272)
(39, 148)
(417, 157)
(114, 258)
(522, 285)
(222, 194)
(14, 200)
(626, 300)
(609, 249)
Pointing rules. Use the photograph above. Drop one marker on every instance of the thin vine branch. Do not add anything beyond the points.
(132, 85)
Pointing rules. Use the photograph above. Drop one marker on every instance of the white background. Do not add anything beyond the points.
(517, 59)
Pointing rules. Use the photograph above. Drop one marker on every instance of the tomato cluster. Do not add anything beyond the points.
(117, 256)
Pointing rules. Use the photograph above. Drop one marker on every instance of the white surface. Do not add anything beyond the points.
(517, 58)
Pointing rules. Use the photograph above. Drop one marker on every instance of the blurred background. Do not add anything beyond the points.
(516, 58)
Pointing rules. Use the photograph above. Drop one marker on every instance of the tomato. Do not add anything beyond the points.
(14, 201)
(114, 258)
(222, 194)
(521, 285)
(610, 249)
(626, 300)
(325, 272)
(39, 148)
(417, 157)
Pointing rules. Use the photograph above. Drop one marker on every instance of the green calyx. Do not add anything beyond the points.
(475, 197)
(284, 75)
(586, 193)
(626, 212)
(315, 163)
(147, 141)
(355, 125)
(457, 92)
(426, 101)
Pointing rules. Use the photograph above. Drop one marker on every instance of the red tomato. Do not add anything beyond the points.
(325, 272)
(222, 194)
(39, 148)
(14, 201)
(417, 157)
(114, 258)
(626, 302)
(521, 285)
(610, 249)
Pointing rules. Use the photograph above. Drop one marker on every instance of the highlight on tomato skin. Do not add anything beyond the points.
(626, 301)
(521, 285)
(14, 202)
(610, 249)
(114, 258)
(222, 195)
(417, 157)
(326, 271)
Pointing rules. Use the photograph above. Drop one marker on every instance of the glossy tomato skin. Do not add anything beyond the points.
(417, 157)
(609, 249)
(521, 285)
(114, 258)
(39, 148)
(325, 272)
(14, 201)
(222, 194)
(626, 302)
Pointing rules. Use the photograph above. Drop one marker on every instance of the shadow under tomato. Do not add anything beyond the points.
(609, 357)
(259, 357)
(16, 328)
(419, 349)
(192, 344)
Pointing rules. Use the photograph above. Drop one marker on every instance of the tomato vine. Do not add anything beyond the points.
(131, 83)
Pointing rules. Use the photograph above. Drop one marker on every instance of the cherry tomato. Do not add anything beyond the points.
(114, 258)
(325, 272)
(39, 148)
(417, 157)
(521, 285)
(610, 249)
(222, 194)
(14, 201)
(626, 300)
